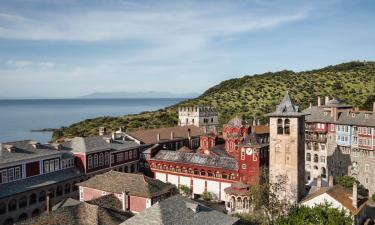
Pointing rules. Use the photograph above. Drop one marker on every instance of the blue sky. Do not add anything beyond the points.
(67, 48)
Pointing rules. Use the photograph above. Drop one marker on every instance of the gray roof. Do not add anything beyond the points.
(254, 140)
(135, 184)
(97, 143)
(286, 108)
(197, 159)
(220, 150)
(38, 182)
(24, 150)
(319, 115)
(182, 211)
(359, 118)
(336, 104)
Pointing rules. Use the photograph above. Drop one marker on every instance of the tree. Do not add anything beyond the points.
(185, 190)
(266, 200)
(207, 196)
(373, 197)
(319, 214)
(346, 181)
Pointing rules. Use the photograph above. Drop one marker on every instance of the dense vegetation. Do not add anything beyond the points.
(252, 96)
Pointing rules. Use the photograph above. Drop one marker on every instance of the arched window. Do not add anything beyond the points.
(3, 208)
(231, 177)
(239, 203)
(95, 160)
(23, 216)
(42, 196)
(308, 157)
(309, 145)
(196, 172)
(51, 193)
(286, 126)
(316, 146)
(59, 190)
(209, 173)
(22, 203)
(32, 199)
(101, 159)
(36, 212)
(12, 205)
(316, 158)
(279, 126)
(203, 173)
(67, 188)
(224, 176)
(324, 172)
(89, 162)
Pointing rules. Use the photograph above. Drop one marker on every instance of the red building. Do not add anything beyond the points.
(234, 133)
(136, 192)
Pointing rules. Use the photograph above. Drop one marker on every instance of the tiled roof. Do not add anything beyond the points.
(38, 181)
(135, 184)
(238, 188)
(236, 122)
(182, 211)
(107, 201)
(318, 114)
(149, 136)
(96, 143)
(197, 159)
(24, 150)
(339, 193)
(185, 149)
(286, 108)
(79, 214)
(220, 151)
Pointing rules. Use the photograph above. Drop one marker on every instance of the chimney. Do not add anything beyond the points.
(48, 202)
(172, 135)
(319, 182)
(310, 105)
(355, 195)
(158, 137)
(102, 131)
(254, 123)
(330, 181)
(326, 100)
(334, 113)
(319, 103)
(189, 133)
(108, 140)
(123, 201)
(1, 149)
(258, 122)
(373, 106)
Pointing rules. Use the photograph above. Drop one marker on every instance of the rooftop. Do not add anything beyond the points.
(149, 136)
(286, 108)
(37, 182)
(97, 143)
(135, 184)
(197, 159)
(180, 210)
(24, 150)
(73, 212)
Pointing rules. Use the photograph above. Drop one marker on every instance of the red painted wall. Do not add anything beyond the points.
(32, 169)
(80, 161)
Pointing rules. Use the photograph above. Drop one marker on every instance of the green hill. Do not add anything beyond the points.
(252, 96)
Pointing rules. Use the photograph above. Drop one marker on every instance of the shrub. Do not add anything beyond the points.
(207, 196)
(185, 190)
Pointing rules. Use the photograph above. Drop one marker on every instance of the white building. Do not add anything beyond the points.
(202, 117)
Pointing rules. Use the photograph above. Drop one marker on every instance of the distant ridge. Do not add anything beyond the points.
(146, 94)
(253, 96)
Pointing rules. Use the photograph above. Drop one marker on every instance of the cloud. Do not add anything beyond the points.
(22, 64)
(159, 23)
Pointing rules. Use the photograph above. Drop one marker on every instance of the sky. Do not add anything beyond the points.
(70, 48)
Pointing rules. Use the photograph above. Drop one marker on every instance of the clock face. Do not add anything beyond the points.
(249, 151)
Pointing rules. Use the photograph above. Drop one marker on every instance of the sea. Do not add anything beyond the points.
(19, 117)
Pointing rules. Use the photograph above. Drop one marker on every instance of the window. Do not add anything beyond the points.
(17, 173)
(89, 162)
(316, 159)
(277, 148)
(4, 177)
(101, 159)
(367, 168)
(279, 126)
(106, 158)
(95, 160)
(11, 174)
(57, 165)
(308, 157)
(322, 159)
(112, 158)
(287, 148)
(244, 166)
(46, 166)
(255, 155)
(287, 126)
(51, 165)
(323, 147)
(130, 154)
(135, 153)
(126, 155)
(243, 154)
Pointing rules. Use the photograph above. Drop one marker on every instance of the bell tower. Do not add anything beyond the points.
(287, 150)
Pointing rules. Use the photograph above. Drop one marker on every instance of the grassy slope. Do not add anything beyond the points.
(252, 96)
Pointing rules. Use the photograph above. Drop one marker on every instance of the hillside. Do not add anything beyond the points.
(252, 96)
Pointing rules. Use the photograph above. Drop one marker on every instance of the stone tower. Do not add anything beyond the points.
(287, 150)
(203, 117)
